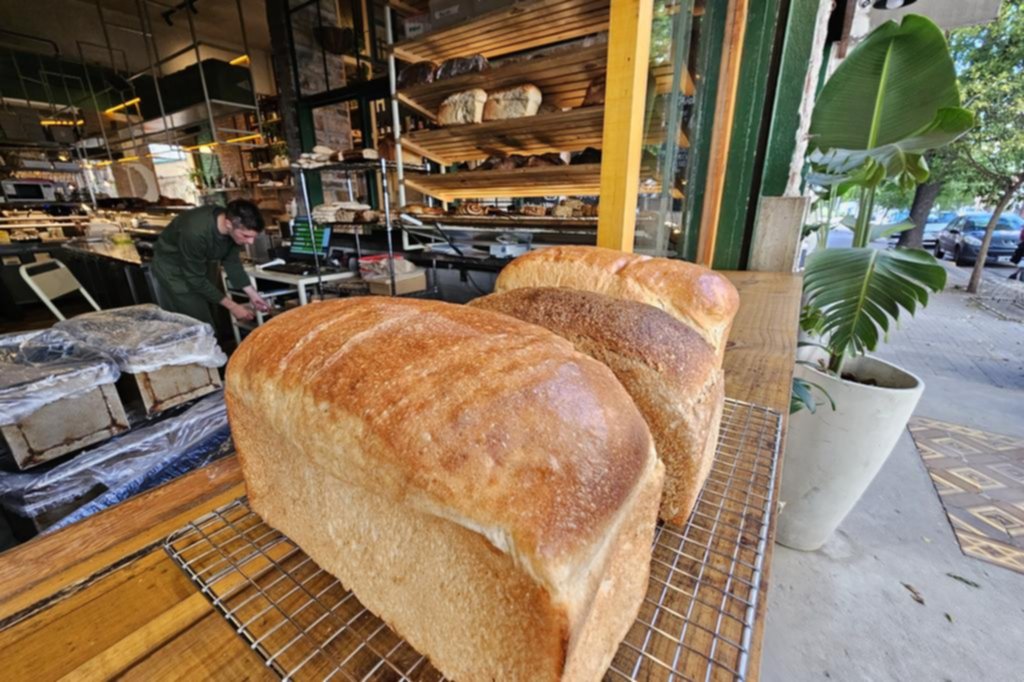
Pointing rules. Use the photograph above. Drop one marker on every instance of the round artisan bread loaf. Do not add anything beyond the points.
(695, 295)
(486, 489)
(669, 370)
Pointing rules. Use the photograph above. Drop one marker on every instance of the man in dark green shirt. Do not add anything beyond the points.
(193, 240)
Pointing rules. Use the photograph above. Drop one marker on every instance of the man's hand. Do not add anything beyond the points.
(240, 312)
(258, 302)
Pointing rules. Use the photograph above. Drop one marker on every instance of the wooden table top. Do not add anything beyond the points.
(101, 598)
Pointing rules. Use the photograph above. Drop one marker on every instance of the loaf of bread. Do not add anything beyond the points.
(484, 488)
(595, 92)
(422, 209)
(462, 107)
(460, 66)
(695, 295)
(669, 370)
(516, 102)
(420, 73)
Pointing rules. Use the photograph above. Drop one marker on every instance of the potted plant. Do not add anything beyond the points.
(894, 98)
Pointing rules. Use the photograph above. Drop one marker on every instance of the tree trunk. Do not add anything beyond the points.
(924, 199)
(979, 265)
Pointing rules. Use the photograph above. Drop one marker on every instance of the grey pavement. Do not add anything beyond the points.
(842, 613)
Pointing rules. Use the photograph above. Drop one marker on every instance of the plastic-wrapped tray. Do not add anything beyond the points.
(144, 338)
(42, 367)
(60, 494)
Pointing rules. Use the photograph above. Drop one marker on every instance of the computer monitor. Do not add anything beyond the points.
(302, 244)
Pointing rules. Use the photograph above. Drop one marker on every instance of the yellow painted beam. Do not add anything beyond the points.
(629, 48)
(721, 134)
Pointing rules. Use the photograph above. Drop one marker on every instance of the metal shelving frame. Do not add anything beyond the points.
(381, 166)
(696, 621)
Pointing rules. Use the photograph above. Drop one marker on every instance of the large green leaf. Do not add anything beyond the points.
(888, 89)
(860, 292)
(902, 159)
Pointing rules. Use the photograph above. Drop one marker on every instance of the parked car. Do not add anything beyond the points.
(936, 222)
(962, 238)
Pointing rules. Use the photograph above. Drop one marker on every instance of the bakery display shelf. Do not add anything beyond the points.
(696, 621)
(356, 166)
(562, 78)
(558, 131)
(519, 27)
(541, 181)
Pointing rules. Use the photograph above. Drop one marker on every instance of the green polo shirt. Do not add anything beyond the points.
(185, 249)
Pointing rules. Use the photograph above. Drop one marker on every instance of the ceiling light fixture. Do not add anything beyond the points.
(244, 138)
(122, 105)
(241, 60)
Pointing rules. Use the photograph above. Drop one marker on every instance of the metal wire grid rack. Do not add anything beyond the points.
(696, 621)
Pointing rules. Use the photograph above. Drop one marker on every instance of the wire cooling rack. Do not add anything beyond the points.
(696, 621)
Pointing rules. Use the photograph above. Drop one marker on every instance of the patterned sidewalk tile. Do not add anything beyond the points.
(979, 477)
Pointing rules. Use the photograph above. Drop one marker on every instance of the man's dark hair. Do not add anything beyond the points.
(245, 212)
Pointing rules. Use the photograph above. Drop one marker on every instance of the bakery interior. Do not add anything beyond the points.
(514, 400)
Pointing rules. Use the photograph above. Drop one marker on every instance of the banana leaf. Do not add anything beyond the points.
(859, 292)
(894, 98)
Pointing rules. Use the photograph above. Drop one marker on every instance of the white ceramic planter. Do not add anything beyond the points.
(832, 457)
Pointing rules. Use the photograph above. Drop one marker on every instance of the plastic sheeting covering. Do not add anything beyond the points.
(143, 338)
(41, 367)
(125, 466)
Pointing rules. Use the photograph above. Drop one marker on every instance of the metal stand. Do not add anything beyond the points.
(312, 234)
(387, 221)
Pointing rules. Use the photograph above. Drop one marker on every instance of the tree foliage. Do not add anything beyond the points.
(989, 62)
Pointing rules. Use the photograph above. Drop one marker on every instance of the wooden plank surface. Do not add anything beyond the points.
(562, 77)
(100, 597)
(523, 26)
(759, 362)
(557, 131)
(37, 570)
(581, 180)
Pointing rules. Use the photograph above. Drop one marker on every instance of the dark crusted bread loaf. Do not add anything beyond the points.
(484, 488)
(695, 295)
(669, 370)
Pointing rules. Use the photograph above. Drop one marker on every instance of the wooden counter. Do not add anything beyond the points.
(102, 598)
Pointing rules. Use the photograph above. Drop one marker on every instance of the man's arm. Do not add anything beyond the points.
(239, 279)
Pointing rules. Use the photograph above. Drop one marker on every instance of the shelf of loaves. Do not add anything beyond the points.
(542, 181)
(562, 77)
(522, 26)
(557, 131)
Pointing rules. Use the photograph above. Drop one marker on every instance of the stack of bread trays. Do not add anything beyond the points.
(487, 478)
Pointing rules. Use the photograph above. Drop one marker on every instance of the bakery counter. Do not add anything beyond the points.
(103, 598)
(115, 274)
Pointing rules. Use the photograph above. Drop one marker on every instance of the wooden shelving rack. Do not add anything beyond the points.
(583, 179)
(523, 26)
(562, 75)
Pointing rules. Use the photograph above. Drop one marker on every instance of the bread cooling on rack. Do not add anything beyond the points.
(671, 373)
(487, 490)
(697, 296)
